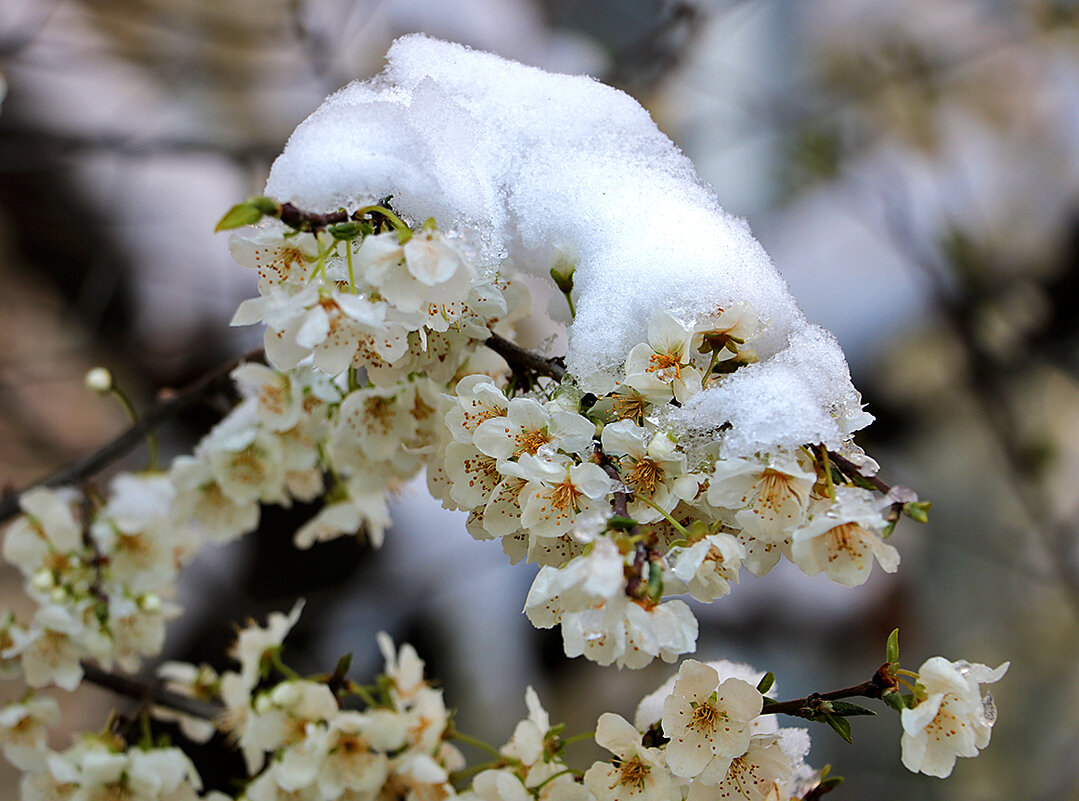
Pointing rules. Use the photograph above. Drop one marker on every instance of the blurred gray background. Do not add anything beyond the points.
(913, 169)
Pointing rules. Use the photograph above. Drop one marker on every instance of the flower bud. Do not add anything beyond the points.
(99, 380)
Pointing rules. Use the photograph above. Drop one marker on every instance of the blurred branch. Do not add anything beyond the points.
(988, 384)
(131, 438)
(16, 144)
(150, 691)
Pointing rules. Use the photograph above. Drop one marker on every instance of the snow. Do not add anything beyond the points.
(532, 165)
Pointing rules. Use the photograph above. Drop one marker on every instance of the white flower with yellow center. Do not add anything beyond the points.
(952, 719)
(477, 398)
(649, 464)
(24, 733)
(558, 491)
(708, 723)
(771, 495)
(280, 261)
(528, 426)
(706, 568)
(46, 531)
(759, 774)
(662, 368)
(636, 773)
(842, 539)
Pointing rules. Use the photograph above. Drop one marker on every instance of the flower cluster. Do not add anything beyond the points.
(378, 369)
(100, 583)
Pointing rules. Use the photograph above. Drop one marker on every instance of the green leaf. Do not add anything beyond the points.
(829, 784)
(891, 650)
(238, 216)
(766, 683)
(840, 725)
(267, 205)
(849, 710)
(343, 664)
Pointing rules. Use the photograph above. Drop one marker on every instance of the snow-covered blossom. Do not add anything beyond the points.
(662, 368)
(951, 719)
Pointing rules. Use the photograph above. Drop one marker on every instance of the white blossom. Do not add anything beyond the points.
(952, 719)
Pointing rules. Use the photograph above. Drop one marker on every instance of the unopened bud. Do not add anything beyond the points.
(562, 274)
(150, 602)
(98, 380)
(42, 580)
(58, 595)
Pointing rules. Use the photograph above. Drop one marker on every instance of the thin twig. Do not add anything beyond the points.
(151, 691)
(130, 439)
(883, 681)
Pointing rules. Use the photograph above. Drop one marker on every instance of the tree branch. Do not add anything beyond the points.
(525, 359)
(151, 691)
(131, 438)
(883, 681)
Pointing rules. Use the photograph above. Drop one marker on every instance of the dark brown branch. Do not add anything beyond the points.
(151, 691)
(295, 217)
(883, 681)
(525, 359)
(134, 436)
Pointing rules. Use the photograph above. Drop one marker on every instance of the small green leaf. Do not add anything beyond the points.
(238, 216)
(766, 683)
(849, 710)
(267, 205)
(343, 664)
(829, 784)
(891, 650)
(840, 725)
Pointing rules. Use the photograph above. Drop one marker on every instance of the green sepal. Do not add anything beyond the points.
(891, 650)
(555, 731)
(895, 700)
(403, 235)
(765, 684)
(829, 784)
(840, 725)
(888, 529)
(345, 231)
(849, 710)
(918, 511)
(562, 275)
(621, 523)
(238, 216)
(655, 581)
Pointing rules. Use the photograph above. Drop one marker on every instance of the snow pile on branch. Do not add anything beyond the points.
(534, 167)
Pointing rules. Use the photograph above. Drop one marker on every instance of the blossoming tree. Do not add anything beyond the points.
(697, 425)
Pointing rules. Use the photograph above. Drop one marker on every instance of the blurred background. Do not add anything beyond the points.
(913, 169)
